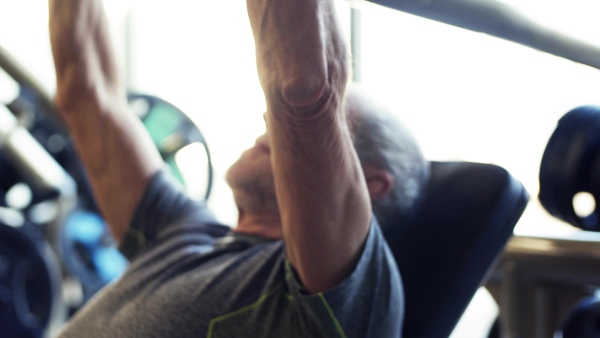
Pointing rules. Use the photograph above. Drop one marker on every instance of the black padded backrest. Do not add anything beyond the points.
(466, 217)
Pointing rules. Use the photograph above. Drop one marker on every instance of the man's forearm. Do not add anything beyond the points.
(323, 201)
(119, 159)
(117, 153)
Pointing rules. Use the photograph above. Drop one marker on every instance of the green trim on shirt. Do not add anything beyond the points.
(262, 299)
(340, 330)
(332, 315)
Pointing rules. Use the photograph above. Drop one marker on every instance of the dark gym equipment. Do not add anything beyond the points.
(33, 162)
(571, 164)
(33, 152)
(30, 282)
(171, 130)
(467, 215)
(583, 320)
(30, 276)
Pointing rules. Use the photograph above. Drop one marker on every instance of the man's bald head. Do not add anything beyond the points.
(382, 141)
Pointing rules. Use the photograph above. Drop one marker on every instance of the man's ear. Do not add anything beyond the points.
(380, 182)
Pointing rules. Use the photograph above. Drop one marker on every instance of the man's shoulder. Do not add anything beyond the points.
(370, 302)
(165, 212)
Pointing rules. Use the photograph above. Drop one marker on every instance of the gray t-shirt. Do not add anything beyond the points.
(193, 278)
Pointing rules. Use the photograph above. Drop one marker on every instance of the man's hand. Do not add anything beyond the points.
(116, 151)
(323, 200)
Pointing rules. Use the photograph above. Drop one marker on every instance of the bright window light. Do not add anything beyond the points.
(584, 204)
(192, 162)
(472, 97)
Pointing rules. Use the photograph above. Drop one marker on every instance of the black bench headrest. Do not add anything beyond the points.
(466, 217)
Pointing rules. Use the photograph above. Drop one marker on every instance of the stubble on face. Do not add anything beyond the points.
(251, 178)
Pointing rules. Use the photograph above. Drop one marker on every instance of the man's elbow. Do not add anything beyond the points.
(311, 88)
(309, 96)
(304, 93)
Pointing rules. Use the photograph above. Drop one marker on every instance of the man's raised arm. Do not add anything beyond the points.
(323, 200)
(117, 153)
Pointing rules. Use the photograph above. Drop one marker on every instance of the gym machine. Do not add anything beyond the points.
(55, 249)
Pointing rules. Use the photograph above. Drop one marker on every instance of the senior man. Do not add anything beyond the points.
(307, 258)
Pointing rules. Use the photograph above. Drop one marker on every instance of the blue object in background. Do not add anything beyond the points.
(89, 251)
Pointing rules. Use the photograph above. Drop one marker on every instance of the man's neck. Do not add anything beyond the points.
(260, 224)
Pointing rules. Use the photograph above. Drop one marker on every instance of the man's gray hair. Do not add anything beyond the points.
(381, 140)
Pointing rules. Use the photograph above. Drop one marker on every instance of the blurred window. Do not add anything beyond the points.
(469, 96)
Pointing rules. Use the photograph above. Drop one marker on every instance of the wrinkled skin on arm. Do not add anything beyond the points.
(323, 200)
(117, 152)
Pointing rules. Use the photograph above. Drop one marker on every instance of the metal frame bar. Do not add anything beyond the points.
(502, 21)
(14, 69)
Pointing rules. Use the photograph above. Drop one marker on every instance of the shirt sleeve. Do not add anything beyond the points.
(369, 303)
(166, 211)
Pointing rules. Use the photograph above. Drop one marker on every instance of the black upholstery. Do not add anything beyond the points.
(462, 225)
